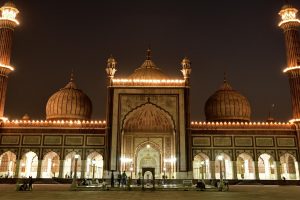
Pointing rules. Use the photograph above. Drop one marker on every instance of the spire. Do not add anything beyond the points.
(225, 78)
(271, 112)
(71, 84)
(149, 53)
(225, 85)
(72, 76)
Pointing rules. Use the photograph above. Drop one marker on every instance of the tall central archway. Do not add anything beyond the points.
(148, 140)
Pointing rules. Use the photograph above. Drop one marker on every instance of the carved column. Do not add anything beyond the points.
(278, 170)
(212, 170)
(39, 169)
(256, 170)
(61, 169)
(83, 167)
(234, 170)
(17, 168)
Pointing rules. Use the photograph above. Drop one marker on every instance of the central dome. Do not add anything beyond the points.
(148, 70)
(226, 104)
(69, 103)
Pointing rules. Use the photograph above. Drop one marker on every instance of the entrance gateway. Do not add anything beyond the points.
(148, 169)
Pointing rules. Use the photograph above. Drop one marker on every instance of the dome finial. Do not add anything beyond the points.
(225, 77)
(149, 53)
(72, 76)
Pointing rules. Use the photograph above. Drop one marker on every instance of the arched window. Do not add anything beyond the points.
(94, 165)
(201, 167)
(245, 167)
(50, 165)
(266, 167)
(69, 165)
(29, 165)
(226, 169)
(8, 164)
(289, 167)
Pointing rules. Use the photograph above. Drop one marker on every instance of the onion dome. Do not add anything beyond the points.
(226, 104)
(69, 103)
(10, 4)
(287, 5)
(148, 70)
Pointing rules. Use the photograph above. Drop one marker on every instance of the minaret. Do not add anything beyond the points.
(290, 23)
(111, 69)
(8, 22)
(186, 70)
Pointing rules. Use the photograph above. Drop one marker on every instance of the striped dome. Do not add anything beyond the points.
(227, 104)
(69, 103)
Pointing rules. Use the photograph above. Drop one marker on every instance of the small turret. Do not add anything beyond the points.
(186, 70)
(111, 68)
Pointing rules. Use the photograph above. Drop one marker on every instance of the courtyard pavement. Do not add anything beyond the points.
(59, 191)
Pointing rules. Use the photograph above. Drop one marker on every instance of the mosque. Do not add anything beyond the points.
(148, 126)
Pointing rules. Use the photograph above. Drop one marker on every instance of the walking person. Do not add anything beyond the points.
(30, 182)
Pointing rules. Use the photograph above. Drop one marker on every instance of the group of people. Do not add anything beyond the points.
(123, 179)
(27, 184)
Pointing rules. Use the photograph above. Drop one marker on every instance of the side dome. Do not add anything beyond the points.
(226, 104)
(148, 70)
(69, 103)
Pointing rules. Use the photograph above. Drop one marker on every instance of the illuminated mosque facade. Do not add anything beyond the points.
(148, 125)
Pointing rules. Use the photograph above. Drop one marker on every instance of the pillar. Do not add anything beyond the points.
(17, 169)
(278, 170)
(256, 170)
(212, 169)
(234, 171)
(298, 170)
(83, 167)
(39, 169)
(61, 169)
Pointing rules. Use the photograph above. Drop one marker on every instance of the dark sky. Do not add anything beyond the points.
(239, 37)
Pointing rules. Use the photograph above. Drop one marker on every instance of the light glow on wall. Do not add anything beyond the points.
(290, 68)
(150, 82)
(294, 120)
(7, 67)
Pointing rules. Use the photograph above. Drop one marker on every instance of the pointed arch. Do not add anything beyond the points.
(148, 117)
(226, 168)
(201, 167)
(267, 167)
(69, 165)
(29, 165)
(50, 165)
(94, 165)
(8, 164)
(245, 166)
(289, 167)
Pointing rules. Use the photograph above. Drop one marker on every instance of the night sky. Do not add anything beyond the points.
(239, 37)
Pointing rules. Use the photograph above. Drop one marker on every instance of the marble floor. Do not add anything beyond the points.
(57, 192)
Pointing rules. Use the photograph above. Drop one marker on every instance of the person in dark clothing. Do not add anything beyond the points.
(112, 181)
(30, 182)
(200, 185)
(119, 178)
(124, 178)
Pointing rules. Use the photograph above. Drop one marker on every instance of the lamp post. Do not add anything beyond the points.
(220, 158)
(164, 175)
(131, 169)
(74, 184)
(93, 164)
